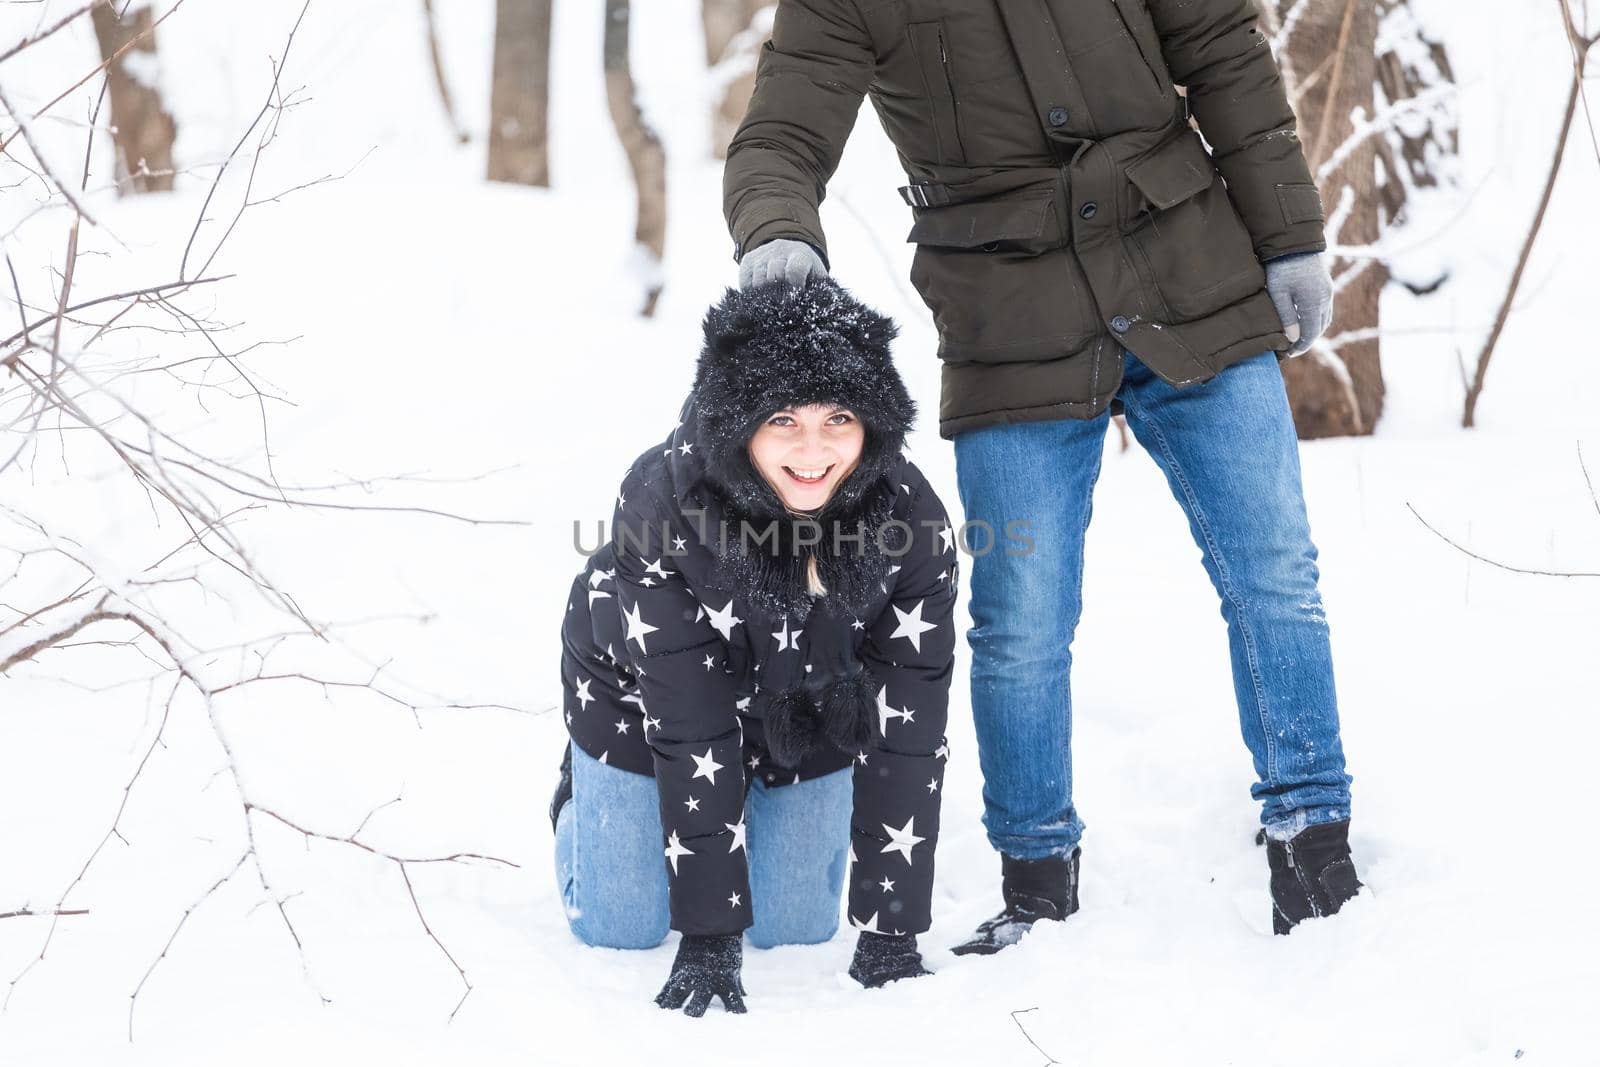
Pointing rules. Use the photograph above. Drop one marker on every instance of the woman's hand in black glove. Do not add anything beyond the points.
(884, 958)
(707, 965)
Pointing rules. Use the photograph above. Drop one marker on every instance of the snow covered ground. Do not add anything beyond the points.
(485, 337)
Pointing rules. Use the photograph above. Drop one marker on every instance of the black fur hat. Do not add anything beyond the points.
(775, 346)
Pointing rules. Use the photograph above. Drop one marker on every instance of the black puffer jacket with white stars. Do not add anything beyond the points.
(694, 651)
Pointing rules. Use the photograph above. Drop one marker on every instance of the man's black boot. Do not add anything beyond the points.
(1311, 874)
(1032, 889)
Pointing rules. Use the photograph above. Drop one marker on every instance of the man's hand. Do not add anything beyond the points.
(793, 261)
(706, 966)
(1302, 290)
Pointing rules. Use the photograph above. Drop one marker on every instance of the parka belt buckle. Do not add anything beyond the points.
(925, 195)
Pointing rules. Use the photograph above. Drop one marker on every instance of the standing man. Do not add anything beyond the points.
(1084, 255)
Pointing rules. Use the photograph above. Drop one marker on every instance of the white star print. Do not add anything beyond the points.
(637, 627)
(948, 536)
(902, 840)
(933, 785)
(885, 712)
(622, 726)
(584, 699)
(869, 924)
(693, 804)
(942, 752)
(738, 835)
(862, 756)
(705, 767)
(788, 642)
(597, 594)
(677, 544)
(709, 661)
(733, 900)
(651, 724)
(723, 620)
(857, 624)
(755, 761)
(742, 705)
(888, 886)
(675, 849)
(654, 567)
(911, 626)
(597, 576)
(605, 757)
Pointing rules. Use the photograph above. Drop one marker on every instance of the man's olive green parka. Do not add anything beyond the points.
(1064, 207)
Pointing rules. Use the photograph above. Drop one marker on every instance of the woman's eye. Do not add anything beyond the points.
(840, 419)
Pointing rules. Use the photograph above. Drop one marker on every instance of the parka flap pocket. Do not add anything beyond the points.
(1172, 173)
(980, 223)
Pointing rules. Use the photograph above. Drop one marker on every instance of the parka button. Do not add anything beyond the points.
(1088, 210)
(1120, 324)
(1058, 116)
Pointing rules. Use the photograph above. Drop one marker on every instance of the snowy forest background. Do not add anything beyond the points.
(296, 422)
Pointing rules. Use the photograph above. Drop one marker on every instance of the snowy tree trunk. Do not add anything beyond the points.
(519, 95)
(144, 130)
(646, 156)
(734, 31)
(1424, 140)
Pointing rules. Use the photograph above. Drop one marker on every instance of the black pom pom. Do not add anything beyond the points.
(791, 725)
(848, 705)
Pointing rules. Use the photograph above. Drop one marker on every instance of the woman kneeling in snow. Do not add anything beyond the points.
(768, 633)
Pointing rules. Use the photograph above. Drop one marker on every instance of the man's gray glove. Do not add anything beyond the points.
(779, 258)
(1302, 290)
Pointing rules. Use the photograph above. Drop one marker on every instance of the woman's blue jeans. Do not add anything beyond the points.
(1228, 449)
(611, 869)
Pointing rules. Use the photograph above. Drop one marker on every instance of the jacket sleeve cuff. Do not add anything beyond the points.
(1317, 250)
(765, 220)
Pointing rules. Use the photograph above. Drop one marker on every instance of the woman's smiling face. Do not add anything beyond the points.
(805, 452)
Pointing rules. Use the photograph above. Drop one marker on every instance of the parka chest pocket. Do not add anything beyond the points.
(999, 279)
(1190, 241)
(928, 47)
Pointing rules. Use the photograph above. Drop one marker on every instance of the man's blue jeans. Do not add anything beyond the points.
(611, 871)
(1229, 451)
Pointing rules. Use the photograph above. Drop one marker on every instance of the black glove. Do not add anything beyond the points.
(707, 965)
(884, 958)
